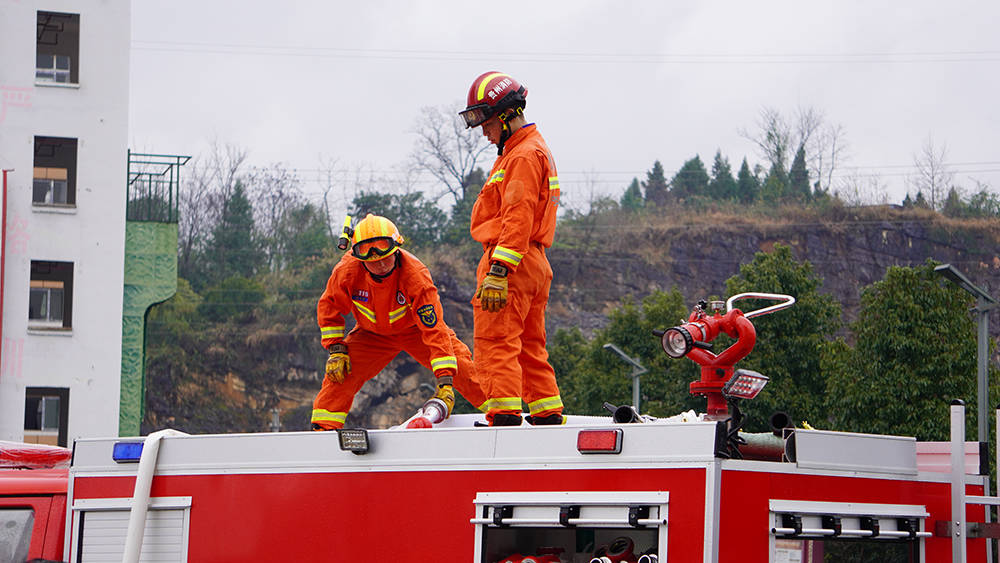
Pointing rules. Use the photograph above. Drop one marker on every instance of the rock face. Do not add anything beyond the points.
(590, 279)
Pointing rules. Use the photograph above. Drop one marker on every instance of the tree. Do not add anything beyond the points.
(632, 198)
(234, 249)
(589, 374)
(798, 178)
(933, 176)
(747, 184)
(655, 186)
(459, 223)
(953, 205)
(446, 149)
(722, 184)
(775, 185)
(788, 341)
(691, 180)
(420, 221)
(201, 201)
(915, 352)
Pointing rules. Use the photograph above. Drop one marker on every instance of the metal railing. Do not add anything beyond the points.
(154, 186)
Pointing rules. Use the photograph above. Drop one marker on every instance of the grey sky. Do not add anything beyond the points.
(613, 86)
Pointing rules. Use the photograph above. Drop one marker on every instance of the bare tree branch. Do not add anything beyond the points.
(446, 149)
(933, 177)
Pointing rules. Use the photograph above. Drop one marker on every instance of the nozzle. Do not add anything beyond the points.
(435, 410)
(344, 242)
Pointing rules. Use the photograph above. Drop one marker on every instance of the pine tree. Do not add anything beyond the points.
(234, 247)
(722, 185)
(798, 178)
(691, 180)
(655, 185)
(747, 185)
(632, 198)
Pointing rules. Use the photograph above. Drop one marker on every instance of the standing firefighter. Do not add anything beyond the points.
(515, 219)
(396, 307)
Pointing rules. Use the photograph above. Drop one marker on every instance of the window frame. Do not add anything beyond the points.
(57, 35)
(62, 431)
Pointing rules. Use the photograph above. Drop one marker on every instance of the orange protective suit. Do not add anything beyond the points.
(515, 219)
(402, 312)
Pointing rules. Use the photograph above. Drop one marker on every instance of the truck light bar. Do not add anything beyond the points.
(599, 441)
(354, 440)
(126, 452)
(745, 384)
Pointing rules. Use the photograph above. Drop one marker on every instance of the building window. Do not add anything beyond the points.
(54, 178)
(57, 48)
(46, 412)
(51, 295)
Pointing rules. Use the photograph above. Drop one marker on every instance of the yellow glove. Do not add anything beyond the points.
(338, 365)
(446, 393)
(492, 293)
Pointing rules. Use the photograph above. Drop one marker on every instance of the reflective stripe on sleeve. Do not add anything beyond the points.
(554, 183)
(496, 177)
(548, 403)
(323, 415)
(331, 332)
(507, 255)
(444, 362)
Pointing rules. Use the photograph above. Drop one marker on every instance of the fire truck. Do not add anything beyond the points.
(605, 489)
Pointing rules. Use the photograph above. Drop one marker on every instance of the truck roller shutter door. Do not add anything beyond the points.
(100, 532)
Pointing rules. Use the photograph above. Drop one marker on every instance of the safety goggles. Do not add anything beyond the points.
(475, 116)
(370, 248)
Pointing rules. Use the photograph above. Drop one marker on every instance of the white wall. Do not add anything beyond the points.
(87, 359)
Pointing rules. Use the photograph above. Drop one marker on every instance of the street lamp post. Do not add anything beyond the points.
(984, 304)
(637, 370)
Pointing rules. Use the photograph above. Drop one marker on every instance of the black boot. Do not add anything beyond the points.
(545, 420)
(506, 420)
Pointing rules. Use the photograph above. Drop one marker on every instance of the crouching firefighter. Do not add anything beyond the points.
(396, 308)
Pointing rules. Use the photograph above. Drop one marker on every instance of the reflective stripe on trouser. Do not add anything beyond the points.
(371, 352)
(510, 354)
(327, 419)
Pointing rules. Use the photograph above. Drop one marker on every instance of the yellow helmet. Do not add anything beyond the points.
(375, 238)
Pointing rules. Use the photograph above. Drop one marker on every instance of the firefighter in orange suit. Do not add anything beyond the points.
(515, 219)
(396, 308)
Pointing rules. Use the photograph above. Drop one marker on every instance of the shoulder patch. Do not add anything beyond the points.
(427, 315)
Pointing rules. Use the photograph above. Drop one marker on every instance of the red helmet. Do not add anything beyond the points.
(492, 93)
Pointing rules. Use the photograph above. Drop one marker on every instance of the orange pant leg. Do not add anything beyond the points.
(510, 357)
(369, 353)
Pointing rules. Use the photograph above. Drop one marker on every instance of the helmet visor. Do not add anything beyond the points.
(373, 248)
(475, 116)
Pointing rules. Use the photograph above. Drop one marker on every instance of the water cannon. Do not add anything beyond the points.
(344, 242)
(693, 338)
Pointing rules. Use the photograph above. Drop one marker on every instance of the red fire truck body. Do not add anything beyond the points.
(463, 493)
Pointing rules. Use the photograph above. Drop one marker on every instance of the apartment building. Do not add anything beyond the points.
(64, 95)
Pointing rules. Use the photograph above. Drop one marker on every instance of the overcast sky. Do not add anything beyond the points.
(613, 86)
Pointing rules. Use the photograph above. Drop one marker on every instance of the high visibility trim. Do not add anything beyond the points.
(398, 313)
(444, 362)
(365, 311)
(323, 415)
(507, 255)
(554, 183)
(331, 332)
(496, 177)
(548, 403)
(503, 403)
(481, 92)
(485, 407)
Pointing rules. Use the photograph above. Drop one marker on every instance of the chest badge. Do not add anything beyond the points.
(427, 315)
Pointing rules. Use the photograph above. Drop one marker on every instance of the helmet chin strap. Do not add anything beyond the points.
(505, 131)
(378, 278)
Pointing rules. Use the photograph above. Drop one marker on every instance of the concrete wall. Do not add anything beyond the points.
(85, 358)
